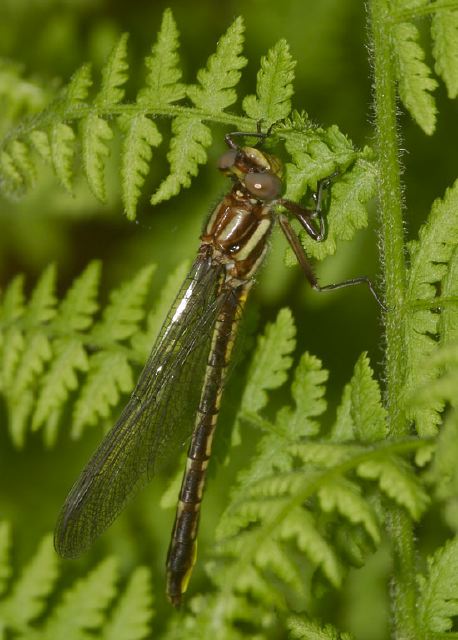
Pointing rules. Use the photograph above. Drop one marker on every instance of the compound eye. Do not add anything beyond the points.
(227, 160)
(264, 186)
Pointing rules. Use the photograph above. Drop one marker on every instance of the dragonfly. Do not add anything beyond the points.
(178, 395)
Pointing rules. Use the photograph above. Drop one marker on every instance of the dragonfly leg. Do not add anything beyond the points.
(307, 268)
(228, 138)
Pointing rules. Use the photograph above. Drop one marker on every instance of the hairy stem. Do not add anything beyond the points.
(400, 526)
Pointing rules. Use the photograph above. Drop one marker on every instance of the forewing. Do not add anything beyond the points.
(159, 414)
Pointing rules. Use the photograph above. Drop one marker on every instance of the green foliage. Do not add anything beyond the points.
(438, 603)
(319, 495)
(301, 629)
(78, 118)
(48, 350)
(415, 82)
(300, 490)
(432, 269)
(82, 609)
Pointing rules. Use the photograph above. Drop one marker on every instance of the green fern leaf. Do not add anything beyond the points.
(95, 133)
(79, 305)
(5, 556)
(270, 363)
(74, 314)
(301, 629)
(41, 144)
(77, 89)
(368, 414)
(438, 603)
(187, 150)
(396, 479)
(35, 351)
(222, 615)
(42, 303)
(163, 86)
(317, 159)
(114, 74)
(444, 31)
(307, 392)
(44, 351)
(121, 317)
(140, 136)
(274, 87)
(430, 256)
(10, 176)
(62, 153)
(131, 619)
(214, 91)
(69, 357)
(20, 156)
(414, 79)
(110, 375)
(84, 604)
(345, 498)
(12, 305)
(81, 611)
(28, 597)
(300, 526)
(344, 427)
(315, 155)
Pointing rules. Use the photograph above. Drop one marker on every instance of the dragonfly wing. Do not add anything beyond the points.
(161, 410)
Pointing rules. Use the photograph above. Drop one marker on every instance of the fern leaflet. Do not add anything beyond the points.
(82, 609)
(295, 477)
(48, 350)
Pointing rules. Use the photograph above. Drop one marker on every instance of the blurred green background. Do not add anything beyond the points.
(49, 39)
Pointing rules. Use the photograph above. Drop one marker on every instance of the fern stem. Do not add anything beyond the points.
(400, 527)
(68, 114)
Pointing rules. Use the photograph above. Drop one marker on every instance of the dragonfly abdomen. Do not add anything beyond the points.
(183, 546)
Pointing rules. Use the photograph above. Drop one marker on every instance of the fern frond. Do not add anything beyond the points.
(225, 616)
(316, 156)
(31, 611)
(271, 362)
(415, 83)
(95, 134)
(304, 494)
(84, 603)
(367, 412)
(444, 32)
(114, 74)
(397, 480)
(188, 147)
(48, 350)
(302, 629)
(215, 91)
(140, 136)
(62, 153)
(28, 597)
(431, 257)
(131, 619)
(438, 603)
(274, 88)
(162, 82)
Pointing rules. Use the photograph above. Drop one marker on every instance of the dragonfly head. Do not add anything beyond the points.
(259, 172)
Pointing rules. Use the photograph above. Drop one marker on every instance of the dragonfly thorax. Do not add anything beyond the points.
(238, 230)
